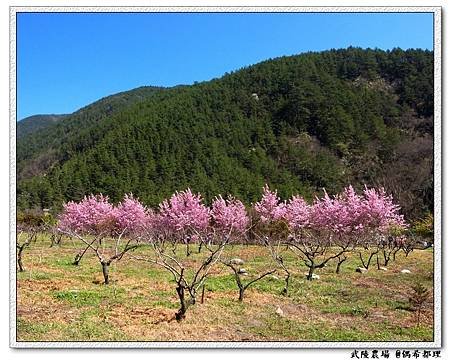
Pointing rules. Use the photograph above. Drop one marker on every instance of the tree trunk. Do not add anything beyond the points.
(77, 259)
(180, 314)
(310, 272)
(340, 261)
(241, 295)
(287, 282)
(105, 269)
(19, 258)
(52, 240)
(188, 252)
(386, 258)
(367, 265)
(394, 254)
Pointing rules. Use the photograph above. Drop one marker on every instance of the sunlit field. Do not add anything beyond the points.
(58, 301)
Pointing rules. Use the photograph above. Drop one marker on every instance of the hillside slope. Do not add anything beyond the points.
(300, 123)
(35, 123)
(44, 147)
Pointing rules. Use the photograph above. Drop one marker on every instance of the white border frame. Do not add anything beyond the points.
(436, 343)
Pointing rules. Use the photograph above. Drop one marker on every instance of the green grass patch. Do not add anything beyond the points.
(95, 297)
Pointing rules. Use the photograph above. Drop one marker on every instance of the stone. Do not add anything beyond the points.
(361, 270)
(242, 271)
(314, 276)
(405, 271)
(383, 268)
(237, 261)
(279, 311)
(274, 277)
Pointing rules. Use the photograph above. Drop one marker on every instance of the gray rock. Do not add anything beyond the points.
(361, 270)
(405, 271)
(237, 261)
(279, 311)
(383, 268)
(242, 271)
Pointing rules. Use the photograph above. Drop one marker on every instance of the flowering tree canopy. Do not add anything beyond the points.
(382, 211)
(91, 215)
(270, 208)
(297, 213)
(229, 216)
(184, 211)
(347, 213)
(131, 216)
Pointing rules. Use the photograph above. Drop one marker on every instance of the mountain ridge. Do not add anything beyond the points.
(36, 122)
(299, 123)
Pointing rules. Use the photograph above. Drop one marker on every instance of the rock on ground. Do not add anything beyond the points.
(237, 261)
(314, 276)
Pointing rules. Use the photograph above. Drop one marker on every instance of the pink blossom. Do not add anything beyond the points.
(184, 211)
(93, 214)
(229, 215)
(270, 208)
(131, 216)
(382, 212)
(297, 213)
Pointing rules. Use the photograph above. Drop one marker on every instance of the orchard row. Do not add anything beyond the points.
(327, 229)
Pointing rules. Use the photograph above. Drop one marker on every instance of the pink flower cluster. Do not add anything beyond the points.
(130, 216)
(270, 208)
(345, 213)
(229, 216)
(95, 214)
(89, 215)
(382, 210)
(185, 211)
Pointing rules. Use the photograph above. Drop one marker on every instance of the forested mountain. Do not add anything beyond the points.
(299, 123)
(34, 123)
(38, 152)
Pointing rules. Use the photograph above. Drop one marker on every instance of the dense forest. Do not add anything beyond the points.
(299, 123)
(35, 123)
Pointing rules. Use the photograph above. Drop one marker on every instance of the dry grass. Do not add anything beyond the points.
(57, 301)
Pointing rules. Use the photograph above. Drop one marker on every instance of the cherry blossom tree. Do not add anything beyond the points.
(332, 226)
(94, 220)
(183, 220)
(328, 229)
(231, 222)
(270, 226)
(384, 226)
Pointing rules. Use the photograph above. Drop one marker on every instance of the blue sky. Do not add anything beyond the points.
(66, 61)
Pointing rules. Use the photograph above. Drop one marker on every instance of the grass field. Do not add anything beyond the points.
(57, 301)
